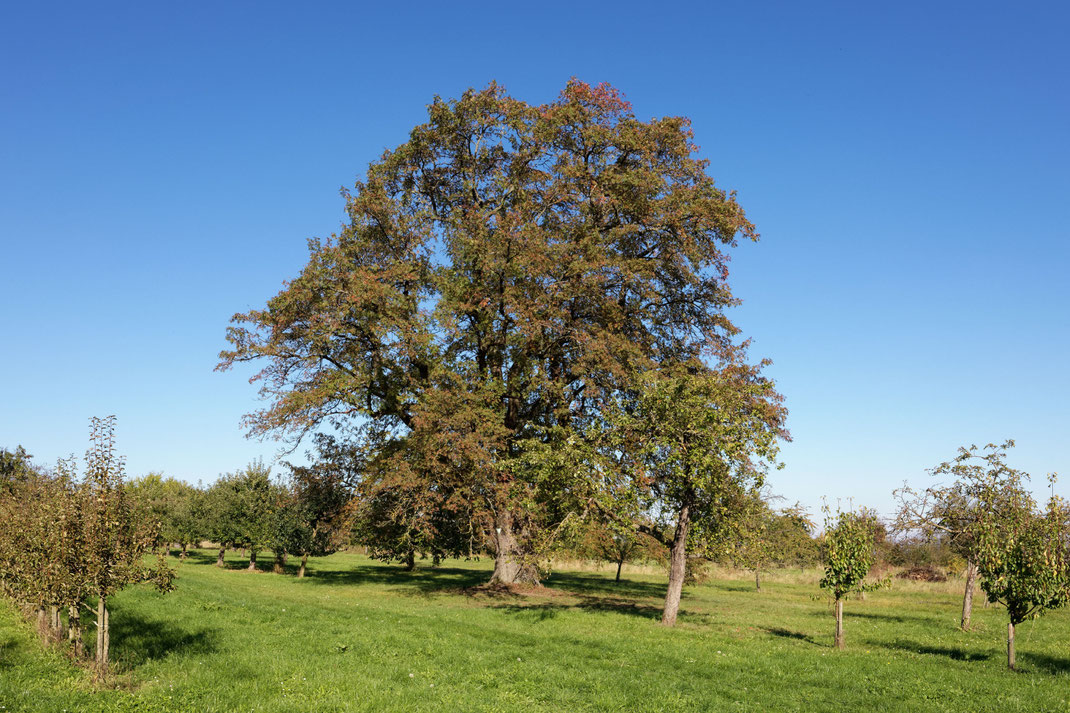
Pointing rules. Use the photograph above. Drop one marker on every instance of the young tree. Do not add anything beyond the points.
(954, 513)
(700, 440)
(1021, 554)
(116, 541)
(752, 545)
(849, 554)
(503, 274)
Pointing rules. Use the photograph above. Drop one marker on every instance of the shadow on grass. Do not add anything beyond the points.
(789, 634)
(265, 561)
(422, 580)
(586, 584)
(1044, 662)
(548, 610)
(136, 640)
(594, 592)
(952, 652)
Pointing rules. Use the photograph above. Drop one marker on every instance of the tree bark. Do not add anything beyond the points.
(1010, 645)
(677, 567)
(280, 564)
(839, 624)
(55, 624)
(509, 565)
(42, 624)
(219, 559)
(410, 560)
(757, 580)
(967, 596)
(183, 555)
(252, 560)
(74, 629)
(103, 638)
(620, 563)
(304, 561)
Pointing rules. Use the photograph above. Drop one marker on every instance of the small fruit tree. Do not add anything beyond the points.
(848, 551)
(1022, 555)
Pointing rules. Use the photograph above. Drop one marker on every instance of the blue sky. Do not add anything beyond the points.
(162, 166)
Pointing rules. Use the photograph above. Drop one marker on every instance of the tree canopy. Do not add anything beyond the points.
(502, 276)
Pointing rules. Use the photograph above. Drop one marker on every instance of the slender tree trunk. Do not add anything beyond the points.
(285, 556)
(757, 580)
(304, 561)
(410, 560)
(967, 596)
(509, 565)
(55, 624)
(252, 560)
(677, 567)
(103, 637)
(219, 559)
(280, 564)
(42, 623)
(74, 629)
(1010, 645)
(620, 563)
(839, 624)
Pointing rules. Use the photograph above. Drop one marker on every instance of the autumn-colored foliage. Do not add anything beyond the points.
(503, 276)
(69, 540)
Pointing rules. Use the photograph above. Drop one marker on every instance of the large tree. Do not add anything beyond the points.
(502, 275)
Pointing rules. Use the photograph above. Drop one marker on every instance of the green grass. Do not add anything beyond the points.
(357, 635)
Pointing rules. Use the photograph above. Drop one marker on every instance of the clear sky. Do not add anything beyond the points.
(162, 165)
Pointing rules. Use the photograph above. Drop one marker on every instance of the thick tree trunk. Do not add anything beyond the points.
(1010, 645)
(620, 563)
(280, 564)
(304, 561)
(967, 596)
(677, 567)
(410, 560)
(183, 555)
(757, 580)
(839, 623)
(103, 637)
(219, 559)
(252, 560)
(509, 565)
(74, 629)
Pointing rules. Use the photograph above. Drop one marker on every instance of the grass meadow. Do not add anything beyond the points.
(358, 635)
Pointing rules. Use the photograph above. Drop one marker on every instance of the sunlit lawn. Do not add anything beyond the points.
(357, 635)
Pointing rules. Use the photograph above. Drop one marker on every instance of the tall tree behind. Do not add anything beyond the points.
(503, 275)
(1022, 554)
(700, 440)
(954, 511)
